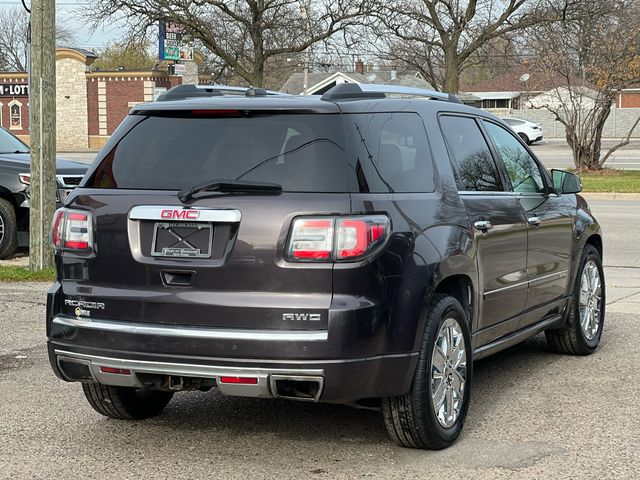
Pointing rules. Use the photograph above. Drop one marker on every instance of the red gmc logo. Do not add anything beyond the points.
(180, 214)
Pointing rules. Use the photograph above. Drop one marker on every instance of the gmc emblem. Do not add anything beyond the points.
(180, 214)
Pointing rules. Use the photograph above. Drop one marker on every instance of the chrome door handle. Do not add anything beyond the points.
(534, 221)
(482, 225)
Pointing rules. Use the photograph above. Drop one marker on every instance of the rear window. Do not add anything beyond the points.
(301, 152)
(372, 153)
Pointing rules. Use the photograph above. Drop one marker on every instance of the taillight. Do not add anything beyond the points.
(72, 230)
(311, 239)
(336, 238)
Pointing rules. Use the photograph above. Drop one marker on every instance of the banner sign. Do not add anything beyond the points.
(173, 42)
(14, 90)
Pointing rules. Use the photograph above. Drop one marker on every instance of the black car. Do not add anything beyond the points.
(351, 248)
(15, 180)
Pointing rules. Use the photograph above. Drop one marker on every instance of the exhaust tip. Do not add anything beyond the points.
(305, 388)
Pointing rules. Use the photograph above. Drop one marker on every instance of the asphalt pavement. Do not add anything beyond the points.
(534, 414)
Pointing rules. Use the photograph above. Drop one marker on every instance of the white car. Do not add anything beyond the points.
(529, 131)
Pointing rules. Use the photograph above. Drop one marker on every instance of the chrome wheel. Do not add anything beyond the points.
(448, 373)
(1, 229)
(590, 300)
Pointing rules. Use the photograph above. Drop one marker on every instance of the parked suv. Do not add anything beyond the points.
(351, 248)
(15, 197)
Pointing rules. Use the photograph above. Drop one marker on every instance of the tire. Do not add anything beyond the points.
(125, 403)
(574, 338)
(411, 419)
(525, 139)
(8, 229)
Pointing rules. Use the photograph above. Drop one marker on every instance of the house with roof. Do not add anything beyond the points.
(318, 83)
(522, 85)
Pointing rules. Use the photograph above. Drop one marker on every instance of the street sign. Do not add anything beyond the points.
(14, 90)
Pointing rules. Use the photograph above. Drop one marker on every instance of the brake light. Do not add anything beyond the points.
(72, 230)
(336, 238)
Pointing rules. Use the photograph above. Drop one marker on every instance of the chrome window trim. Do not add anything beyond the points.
(136, 328)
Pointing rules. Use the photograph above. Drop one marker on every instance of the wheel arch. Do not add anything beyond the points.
(460, 287)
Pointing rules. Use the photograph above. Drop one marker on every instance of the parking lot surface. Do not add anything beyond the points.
(533, 414)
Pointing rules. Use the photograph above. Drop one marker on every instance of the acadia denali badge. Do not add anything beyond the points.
(302, 317)
(83, 309)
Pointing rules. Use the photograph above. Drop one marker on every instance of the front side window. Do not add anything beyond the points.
(521, 167)
(474, 166)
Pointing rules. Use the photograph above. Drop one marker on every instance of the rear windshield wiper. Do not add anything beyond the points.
(228, 186)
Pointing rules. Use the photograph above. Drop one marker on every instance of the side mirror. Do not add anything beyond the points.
(566, 182)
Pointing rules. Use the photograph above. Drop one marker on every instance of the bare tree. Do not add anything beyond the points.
(244, 34)
(590, 57)
(440, 37)
(13, 39)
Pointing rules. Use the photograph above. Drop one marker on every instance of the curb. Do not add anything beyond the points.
(610, 196)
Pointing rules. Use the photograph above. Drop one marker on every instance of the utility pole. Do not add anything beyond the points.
(42, 105)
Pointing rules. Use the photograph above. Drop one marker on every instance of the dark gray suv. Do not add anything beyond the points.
(354, 248)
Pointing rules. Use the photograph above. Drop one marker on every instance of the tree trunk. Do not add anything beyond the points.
(42, 105)
(451, 83)
(588, 147)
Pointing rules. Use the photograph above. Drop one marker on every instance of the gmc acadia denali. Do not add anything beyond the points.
(363, 247)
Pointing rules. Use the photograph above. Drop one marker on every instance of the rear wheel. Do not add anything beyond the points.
(582, 331)
(432, 414)
(8, 229)
(125, 403)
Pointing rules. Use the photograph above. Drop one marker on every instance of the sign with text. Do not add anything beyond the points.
(173, 42)
(14, 90)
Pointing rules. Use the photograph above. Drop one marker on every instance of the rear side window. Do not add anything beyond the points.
(388, 152)
(301, 152)
(473, 163)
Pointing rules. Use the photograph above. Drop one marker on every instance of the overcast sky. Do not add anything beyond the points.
(66, 14)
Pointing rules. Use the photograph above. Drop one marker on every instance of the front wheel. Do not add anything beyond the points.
(8, 230)
(432, 414)
(525, 139)
(582, 331)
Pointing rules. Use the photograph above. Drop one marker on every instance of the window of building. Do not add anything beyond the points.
(15, 115)
(495, 103)
(473, 163)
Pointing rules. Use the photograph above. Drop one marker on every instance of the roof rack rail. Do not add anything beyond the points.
(182, 92)
(352, 91)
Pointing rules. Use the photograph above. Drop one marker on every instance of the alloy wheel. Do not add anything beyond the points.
(448, 373)
(590, 300)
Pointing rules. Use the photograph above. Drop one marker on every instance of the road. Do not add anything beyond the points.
(533, 415)
(555, 153)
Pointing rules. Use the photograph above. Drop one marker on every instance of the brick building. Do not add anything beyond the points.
(90, 103)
